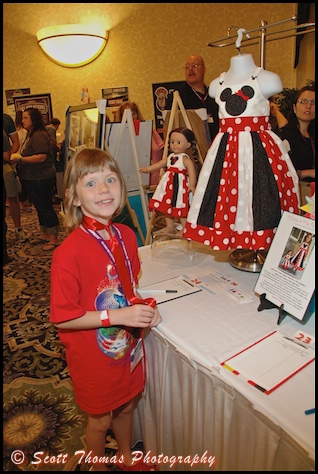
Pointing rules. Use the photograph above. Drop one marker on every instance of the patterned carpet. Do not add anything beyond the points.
(40, 415)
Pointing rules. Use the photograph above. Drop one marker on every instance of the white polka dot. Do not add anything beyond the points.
(201, 232)
(156, 204)
(217, 225)
(206, 242)
(233, 208)
(247, 128)
(168, 201)
(238, 120)
(226, 241)
(222, 181)
(233, 191)
(229, 130)
(255, 119)
(226, 217)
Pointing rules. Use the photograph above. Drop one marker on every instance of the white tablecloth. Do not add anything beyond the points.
(192, 405)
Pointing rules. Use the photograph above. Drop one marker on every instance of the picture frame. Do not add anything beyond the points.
(290, 285)
(10, 93)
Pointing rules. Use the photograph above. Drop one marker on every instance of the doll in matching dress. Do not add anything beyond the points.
(172, 194)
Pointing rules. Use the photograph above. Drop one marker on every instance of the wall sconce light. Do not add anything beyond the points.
(72, 45)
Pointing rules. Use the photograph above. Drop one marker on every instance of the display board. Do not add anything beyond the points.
(125, 157)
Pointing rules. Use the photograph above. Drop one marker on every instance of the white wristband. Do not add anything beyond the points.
(104, 317)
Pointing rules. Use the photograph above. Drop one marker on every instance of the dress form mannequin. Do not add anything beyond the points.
(247, 178)
(242, 67)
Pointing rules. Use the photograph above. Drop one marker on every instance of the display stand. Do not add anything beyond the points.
(127, 118)
(265, 304)
(174, 116)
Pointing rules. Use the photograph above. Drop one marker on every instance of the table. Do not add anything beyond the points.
(192, 406)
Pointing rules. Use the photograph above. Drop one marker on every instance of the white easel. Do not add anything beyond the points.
(177, 102)
(127, 117)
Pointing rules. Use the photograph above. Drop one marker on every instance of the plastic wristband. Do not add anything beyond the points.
(104, 317)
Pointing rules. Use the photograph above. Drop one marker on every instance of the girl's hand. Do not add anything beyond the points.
(136, 316)
(143, 170)
(156, 319)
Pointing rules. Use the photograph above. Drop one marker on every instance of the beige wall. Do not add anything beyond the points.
(148, 43)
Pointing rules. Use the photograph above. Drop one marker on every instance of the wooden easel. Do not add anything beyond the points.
(127, 117)
(173, 123)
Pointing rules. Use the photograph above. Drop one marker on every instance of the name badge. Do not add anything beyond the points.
(136, 355)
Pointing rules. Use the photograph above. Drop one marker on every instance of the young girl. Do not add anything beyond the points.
(172, 194)
(99, 318)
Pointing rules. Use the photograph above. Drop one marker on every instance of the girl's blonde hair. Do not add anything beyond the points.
(88, 160)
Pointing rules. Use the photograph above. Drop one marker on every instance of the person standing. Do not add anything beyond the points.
(22, 133)
(51, 129)
(194, 94)
(299, 132)
(6, 158)
(99, 317)
(37, 173)
(11, 179)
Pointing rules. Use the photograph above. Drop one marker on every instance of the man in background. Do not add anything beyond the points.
(194, 94)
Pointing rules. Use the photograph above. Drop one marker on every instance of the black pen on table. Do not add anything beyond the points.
(157, 291)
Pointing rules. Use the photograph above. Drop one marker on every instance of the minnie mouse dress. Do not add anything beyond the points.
(171, 196)
(247, 178)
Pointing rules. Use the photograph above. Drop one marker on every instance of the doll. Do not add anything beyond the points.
(286, 259)
(172, 195)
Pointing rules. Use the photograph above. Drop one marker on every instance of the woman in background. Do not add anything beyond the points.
(299, 131)
(37, 173)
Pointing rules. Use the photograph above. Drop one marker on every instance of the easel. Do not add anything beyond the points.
(173, 123)
(127, 117)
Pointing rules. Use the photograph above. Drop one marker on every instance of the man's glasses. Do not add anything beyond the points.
(306, 101)
(195, 66)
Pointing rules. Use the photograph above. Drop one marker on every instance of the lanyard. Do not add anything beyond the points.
(118, 254)
(203, 99)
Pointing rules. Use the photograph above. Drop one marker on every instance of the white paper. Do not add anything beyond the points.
(181, 285)
(286, 286)
(271, 361)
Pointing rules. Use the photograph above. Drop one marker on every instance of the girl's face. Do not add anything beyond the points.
(99, 194)
(305, 111)
(27, 121)
(179, 143)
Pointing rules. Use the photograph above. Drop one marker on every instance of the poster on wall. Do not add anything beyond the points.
(162, 99)
(114, 96)
(37, 101)
(12, 92)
